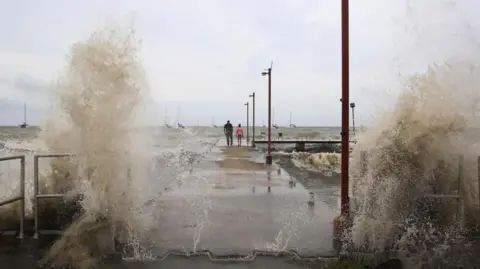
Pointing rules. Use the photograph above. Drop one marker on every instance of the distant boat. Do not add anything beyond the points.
(24, 124)
(179, 125)
(273, 119)
(213, 123)
(292, 125)
(167, 119)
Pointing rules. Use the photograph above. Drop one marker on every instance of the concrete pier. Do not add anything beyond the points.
(249, 206)
(232, 204)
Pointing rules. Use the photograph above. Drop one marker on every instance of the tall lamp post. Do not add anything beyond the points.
(345, 109)
(253, 124)
(248, 116)
(268, 73)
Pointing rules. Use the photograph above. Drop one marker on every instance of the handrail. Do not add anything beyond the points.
(37, 195)
(21, 196)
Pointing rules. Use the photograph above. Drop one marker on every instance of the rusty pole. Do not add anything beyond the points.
(345, 110)
(270, 111)
(268, 73)
(253, 125)
(248, 123)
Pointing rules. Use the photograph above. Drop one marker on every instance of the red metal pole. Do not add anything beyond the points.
(253, 136)
(248, 116)
(345, 110)
(269, 111)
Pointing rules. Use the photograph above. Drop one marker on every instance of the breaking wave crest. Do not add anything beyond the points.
(95, 117)
(414, 150)
(321, 162)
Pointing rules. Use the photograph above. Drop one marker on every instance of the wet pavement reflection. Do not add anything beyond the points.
(238, 210)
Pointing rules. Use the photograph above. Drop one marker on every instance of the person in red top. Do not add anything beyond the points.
(239, 134)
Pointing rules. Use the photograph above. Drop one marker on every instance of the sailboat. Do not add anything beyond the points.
(167, 119)
(179, 125)
(273, 119)
(292, 125)
(24, 124)
(213, 122)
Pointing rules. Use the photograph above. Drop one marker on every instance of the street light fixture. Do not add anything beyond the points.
(352, 105)
(248, 116)
(253, 124)
(268, 73)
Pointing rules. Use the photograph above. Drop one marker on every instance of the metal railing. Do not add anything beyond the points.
(38, 196)
(21, 196)
(460, 214)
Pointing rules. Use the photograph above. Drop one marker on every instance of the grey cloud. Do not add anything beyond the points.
(30, 85)
(212, 52)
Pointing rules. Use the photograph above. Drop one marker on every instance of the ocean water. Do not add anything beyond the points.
(15, 140)
(14, 134)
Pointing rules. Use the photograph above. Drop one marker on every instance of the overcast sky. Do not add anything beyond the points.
(206, 56)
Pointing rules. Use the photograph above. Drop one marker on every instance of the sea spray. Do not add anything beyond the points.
(323, 162)
(95, 118)
(434, 119)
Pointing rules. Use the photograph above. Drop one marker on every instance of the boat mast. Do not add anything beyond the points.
(166, 116)
(25, 113)
(178, 115)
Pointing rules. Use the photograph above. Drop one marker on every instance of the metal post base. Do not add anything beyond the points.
(268, 159)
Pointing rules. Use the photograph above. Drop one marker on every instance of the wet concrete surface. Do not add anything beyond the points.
(235, 210)
(325, 186)
(239, 210)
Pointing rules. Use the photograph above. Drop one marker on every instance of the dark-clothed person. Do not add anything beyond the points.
(228, 130)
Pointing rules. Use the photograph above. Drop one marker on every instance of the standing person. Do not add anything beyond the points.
(239, 134)
(228, 130)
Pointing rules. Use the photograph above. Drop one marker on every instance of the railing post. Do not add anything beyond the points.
(35, 195)
(478, 178)
(22, 193)
(460, 202)
(19, 197)
(38, 195)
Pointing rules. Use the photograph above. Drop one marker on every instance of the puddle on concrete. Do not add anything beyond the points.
(241, 164)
